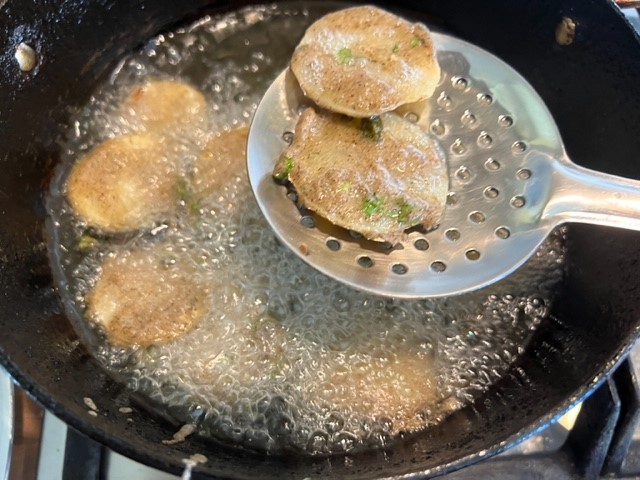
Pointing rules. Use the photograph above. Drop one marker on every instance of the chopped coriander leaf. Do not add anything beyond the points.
(288, 164)
(284, 169)
(183, 190)
(371, 127)
(186, 195)
(344, 55)
(402, 212)
(396, 48)
(86, 242)
(416, 41)
(372, 205)
(194, 207)
(344, 186)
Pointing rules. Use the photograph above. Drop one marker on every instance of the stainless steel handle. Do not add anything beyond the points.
(585, 196)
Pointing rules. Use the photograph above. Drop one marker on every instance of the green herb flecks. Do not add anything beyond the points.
(402, 213)
(416, 41)
(187, 197)
(281, 174)
(344, 55)
(371, 127)
(345, 186)
(183, 190)
(87, 242)
(372, 205)
(395, 49)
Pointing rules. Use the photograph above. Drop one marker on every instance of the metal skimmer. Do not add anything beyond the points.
(510, 184)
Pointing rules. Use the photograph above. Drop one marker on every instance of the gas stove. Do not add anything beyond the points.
(599, 438)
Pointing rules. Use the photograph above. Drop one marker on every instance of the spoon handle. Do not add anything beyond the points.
(586, 196)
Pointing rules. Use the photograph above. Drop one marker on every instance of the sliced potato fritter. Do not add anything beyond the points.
(401, 385)
(124, 184)
(146, 297)
(364, 61)
(222, 158)
(166, 106)
(377, 177)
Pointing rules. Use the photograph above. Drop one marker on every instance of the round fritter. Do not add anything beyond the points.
(364, 61)
(124, 184)
(399, 385)
(166, 106)
(146, 297)
(222, 159)
(375, 176)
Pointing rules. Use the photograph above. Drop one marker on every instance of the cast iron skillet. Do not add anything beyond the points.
(590, 87)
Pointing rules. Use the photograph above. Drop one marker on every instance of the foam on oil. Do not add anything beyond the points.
(286, 358)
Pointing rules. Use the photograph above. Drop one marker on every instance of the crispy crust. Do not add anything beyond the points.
(222, 158)
(364, 61)
(140, 298)
(378, 188)
(166, 106)
(124, 184)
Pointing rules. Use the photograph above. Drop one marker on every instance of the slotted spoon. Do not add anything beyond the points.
(510, 184)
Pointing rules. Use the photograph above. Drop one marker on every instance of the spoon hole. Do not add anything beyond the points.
(477, 217)
(308, 221)
(421, 244)
(458, 147)
(505, 121)
(438, 266)
(485, 139)
(438, 128)
(484, 99)
(523, 174)
(333, 245)
(463, 174)
(519, 147)
(468, 119)
(399, 269)
(453, 234)
(365, 261)
(491, 192)
(492, 164)
(472, 254)
(459, 83)
(287, 137)
(412, 117)
(503, 233)
(518, 201)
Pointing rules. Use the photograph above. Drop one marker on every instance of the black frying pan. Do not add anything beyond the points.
(591, 89)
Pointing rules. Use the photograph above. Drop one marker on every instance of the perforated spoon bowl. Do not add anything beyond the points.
(511, 183)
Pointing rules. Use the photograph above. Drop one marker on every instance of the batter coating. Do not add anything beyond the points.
(377, 177)
(364, 61)
(166, 106)
(222, 158)
(146, 297)
(124, 184)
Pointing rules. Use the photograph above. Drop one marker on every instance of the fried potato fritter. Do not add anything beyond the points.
(222, 158)
(145, 297)
(401, 385)
(166, 106)
(377, 177)
(124, 184)
(364, 61)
